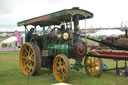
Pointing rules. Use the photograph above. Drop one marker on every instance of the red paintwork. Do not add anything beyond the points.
(81, 47)
(113, 54)
(78, 11)
(38, 19)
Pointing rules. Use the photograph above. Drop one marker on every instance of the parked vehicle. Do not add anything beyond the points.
(58, 42)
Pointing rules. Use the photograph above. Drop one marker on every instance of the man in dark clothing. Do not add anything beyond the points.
(29, 35)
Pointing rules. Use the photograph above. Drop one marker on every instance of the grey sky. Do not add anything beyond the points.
(107, 13)
(5, 6)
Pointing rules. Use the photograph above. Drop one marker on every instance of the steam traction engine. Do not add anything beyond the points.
(56, 44)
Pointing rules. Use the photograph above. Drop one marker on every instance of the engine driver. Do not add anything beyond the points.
(29, 35)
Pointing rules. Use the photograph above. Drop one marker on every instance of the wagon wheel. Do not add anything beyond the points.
(30, 59)
(96, 67)
(61, 68)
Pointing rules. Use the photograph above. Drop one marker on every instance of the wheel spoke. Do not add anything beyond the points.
(30, 49)
(31, 66)
(64, 66)
(63, 76)
(32, 57)
(26, 54)
(27, 51)
(63, 63)
(87, 62)
(97, 65)
(95, 69)
(94, 59)
(59, 63)
(26, 62)
(59, 59)
(25, 66)
(89, 69)
(23, 57)
(29, 71)
(91, 59)
(58, 72)
(32, 54)
(32, 60)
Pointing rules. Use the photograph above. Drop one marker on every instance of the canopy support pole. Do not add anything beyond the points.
(72, 30)
(25, 30)
(85, 30)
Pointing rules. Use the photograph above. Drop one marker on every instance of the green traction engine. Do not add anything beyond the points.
(57, 42)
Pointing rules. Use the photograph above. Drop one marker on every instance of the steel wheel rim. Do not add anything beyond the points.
(96, 67)
(61, 68)
(27, 59)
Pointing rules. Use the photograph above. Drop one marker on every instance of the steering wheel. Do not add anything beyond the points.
(53, 30)
(49, 29)
(34, 39)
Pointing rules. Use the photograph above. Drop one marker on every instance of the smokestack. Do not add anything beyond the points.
(76, 26)
(75, 8)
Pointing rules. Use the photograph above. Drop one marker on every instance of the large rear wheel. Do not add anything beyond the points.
(95, 65)
(61, 68)
(30, 59)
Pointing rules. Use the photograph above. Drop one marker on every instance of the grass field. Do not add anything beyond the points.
(10, 74)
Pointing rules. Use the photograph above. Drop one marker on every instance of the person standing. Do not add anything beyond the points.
(29, 35)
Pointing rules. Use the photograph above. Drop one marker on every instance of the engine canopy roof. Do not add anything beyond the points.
(56, 17)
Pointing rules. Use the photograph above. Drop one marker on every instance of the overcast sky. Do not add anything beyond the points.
(107, 13)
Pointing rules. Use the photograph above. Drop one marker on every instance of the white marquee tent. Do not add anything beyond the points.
(10, 42)
(108, 33)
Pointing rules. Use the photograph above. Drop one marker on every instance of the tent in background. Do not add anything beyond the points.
(107, 33)
(10, 42)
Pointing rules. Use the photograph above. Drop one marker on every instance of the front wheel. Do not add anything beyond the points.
(61, 68)
(30, 59)
(95, 67)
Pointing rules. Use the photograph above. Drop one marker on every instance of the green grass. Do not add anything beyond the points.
(89, 41)
(10, 74)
